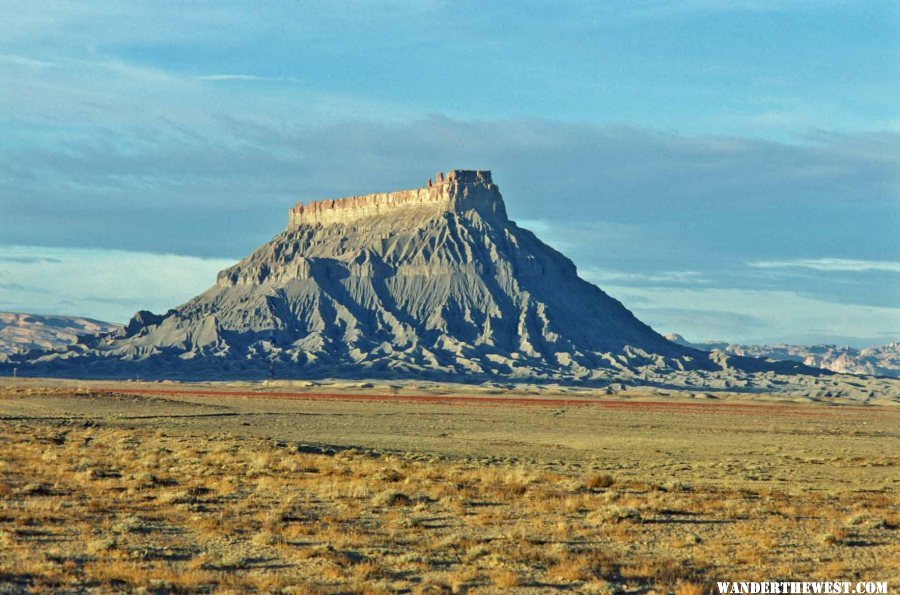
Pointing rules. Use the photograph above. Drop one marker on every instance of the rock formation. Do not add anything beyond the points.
(458, 191)
(878, 360)
(433, 283)
(25, 332)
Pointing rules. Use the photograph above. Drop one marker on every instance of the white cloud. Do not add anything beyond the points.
(829, 264)
(757, 316)
(26, 61)
(242, 77)
(103, 284)
(669, 8)
(666, 277)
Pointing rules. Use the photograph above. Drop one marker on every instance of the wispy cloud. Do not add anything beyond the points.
(27, 259)
(659, 277)
(66, 280)
(669, 7)
(245, 77)
(26, 61)
(758, 316)
(829, 264)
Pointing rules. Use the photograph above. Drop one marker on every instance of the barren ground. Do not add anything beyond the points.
(337, 488)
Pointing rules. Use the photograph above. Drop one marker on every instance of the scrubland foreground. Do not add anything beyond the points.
(245, 496)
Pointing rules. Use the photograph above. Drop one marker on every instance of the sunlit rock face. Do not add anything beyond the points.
(434, 282)
(21, 332)
(458, 191)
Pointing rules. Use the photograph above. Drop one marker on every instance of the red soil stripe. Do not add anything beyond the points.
(655, 406)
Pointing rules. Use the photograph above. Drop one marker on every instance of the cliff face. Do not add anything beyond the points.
(458, 191)
(433, 283)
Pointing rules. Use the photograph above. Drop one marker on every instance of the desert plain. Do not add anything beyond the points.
(418, 487)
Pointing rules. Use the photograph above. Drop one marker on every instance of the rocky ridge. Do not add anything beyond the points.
(877, 360)
(20, 332)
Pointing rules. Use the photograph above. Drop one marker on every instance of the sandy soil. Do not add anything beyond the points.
(723, 486)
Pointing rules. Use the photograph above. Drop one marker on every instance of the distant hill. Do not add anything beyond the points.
(23, 332)
(879, 360)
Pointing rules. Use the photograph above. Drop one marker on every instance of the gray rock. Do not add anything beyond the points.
(434, 283)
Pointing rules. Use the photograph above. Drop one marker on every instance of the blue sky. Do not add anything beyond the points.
(728, 169)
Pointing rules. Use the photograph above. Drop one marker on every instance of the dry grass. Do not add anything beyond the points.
(599, 480)
(90, 507)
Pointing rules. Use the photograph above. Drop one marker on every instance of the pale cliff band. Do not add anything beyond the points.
(457, 190)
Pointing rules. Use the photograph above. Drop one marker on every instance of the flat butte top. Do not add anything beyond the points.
(458, 190)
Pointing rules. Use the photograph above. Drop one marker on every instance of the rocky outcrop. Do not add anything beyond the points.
(142, 319)
(458, 191)
(878, 360)
(433, 283)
